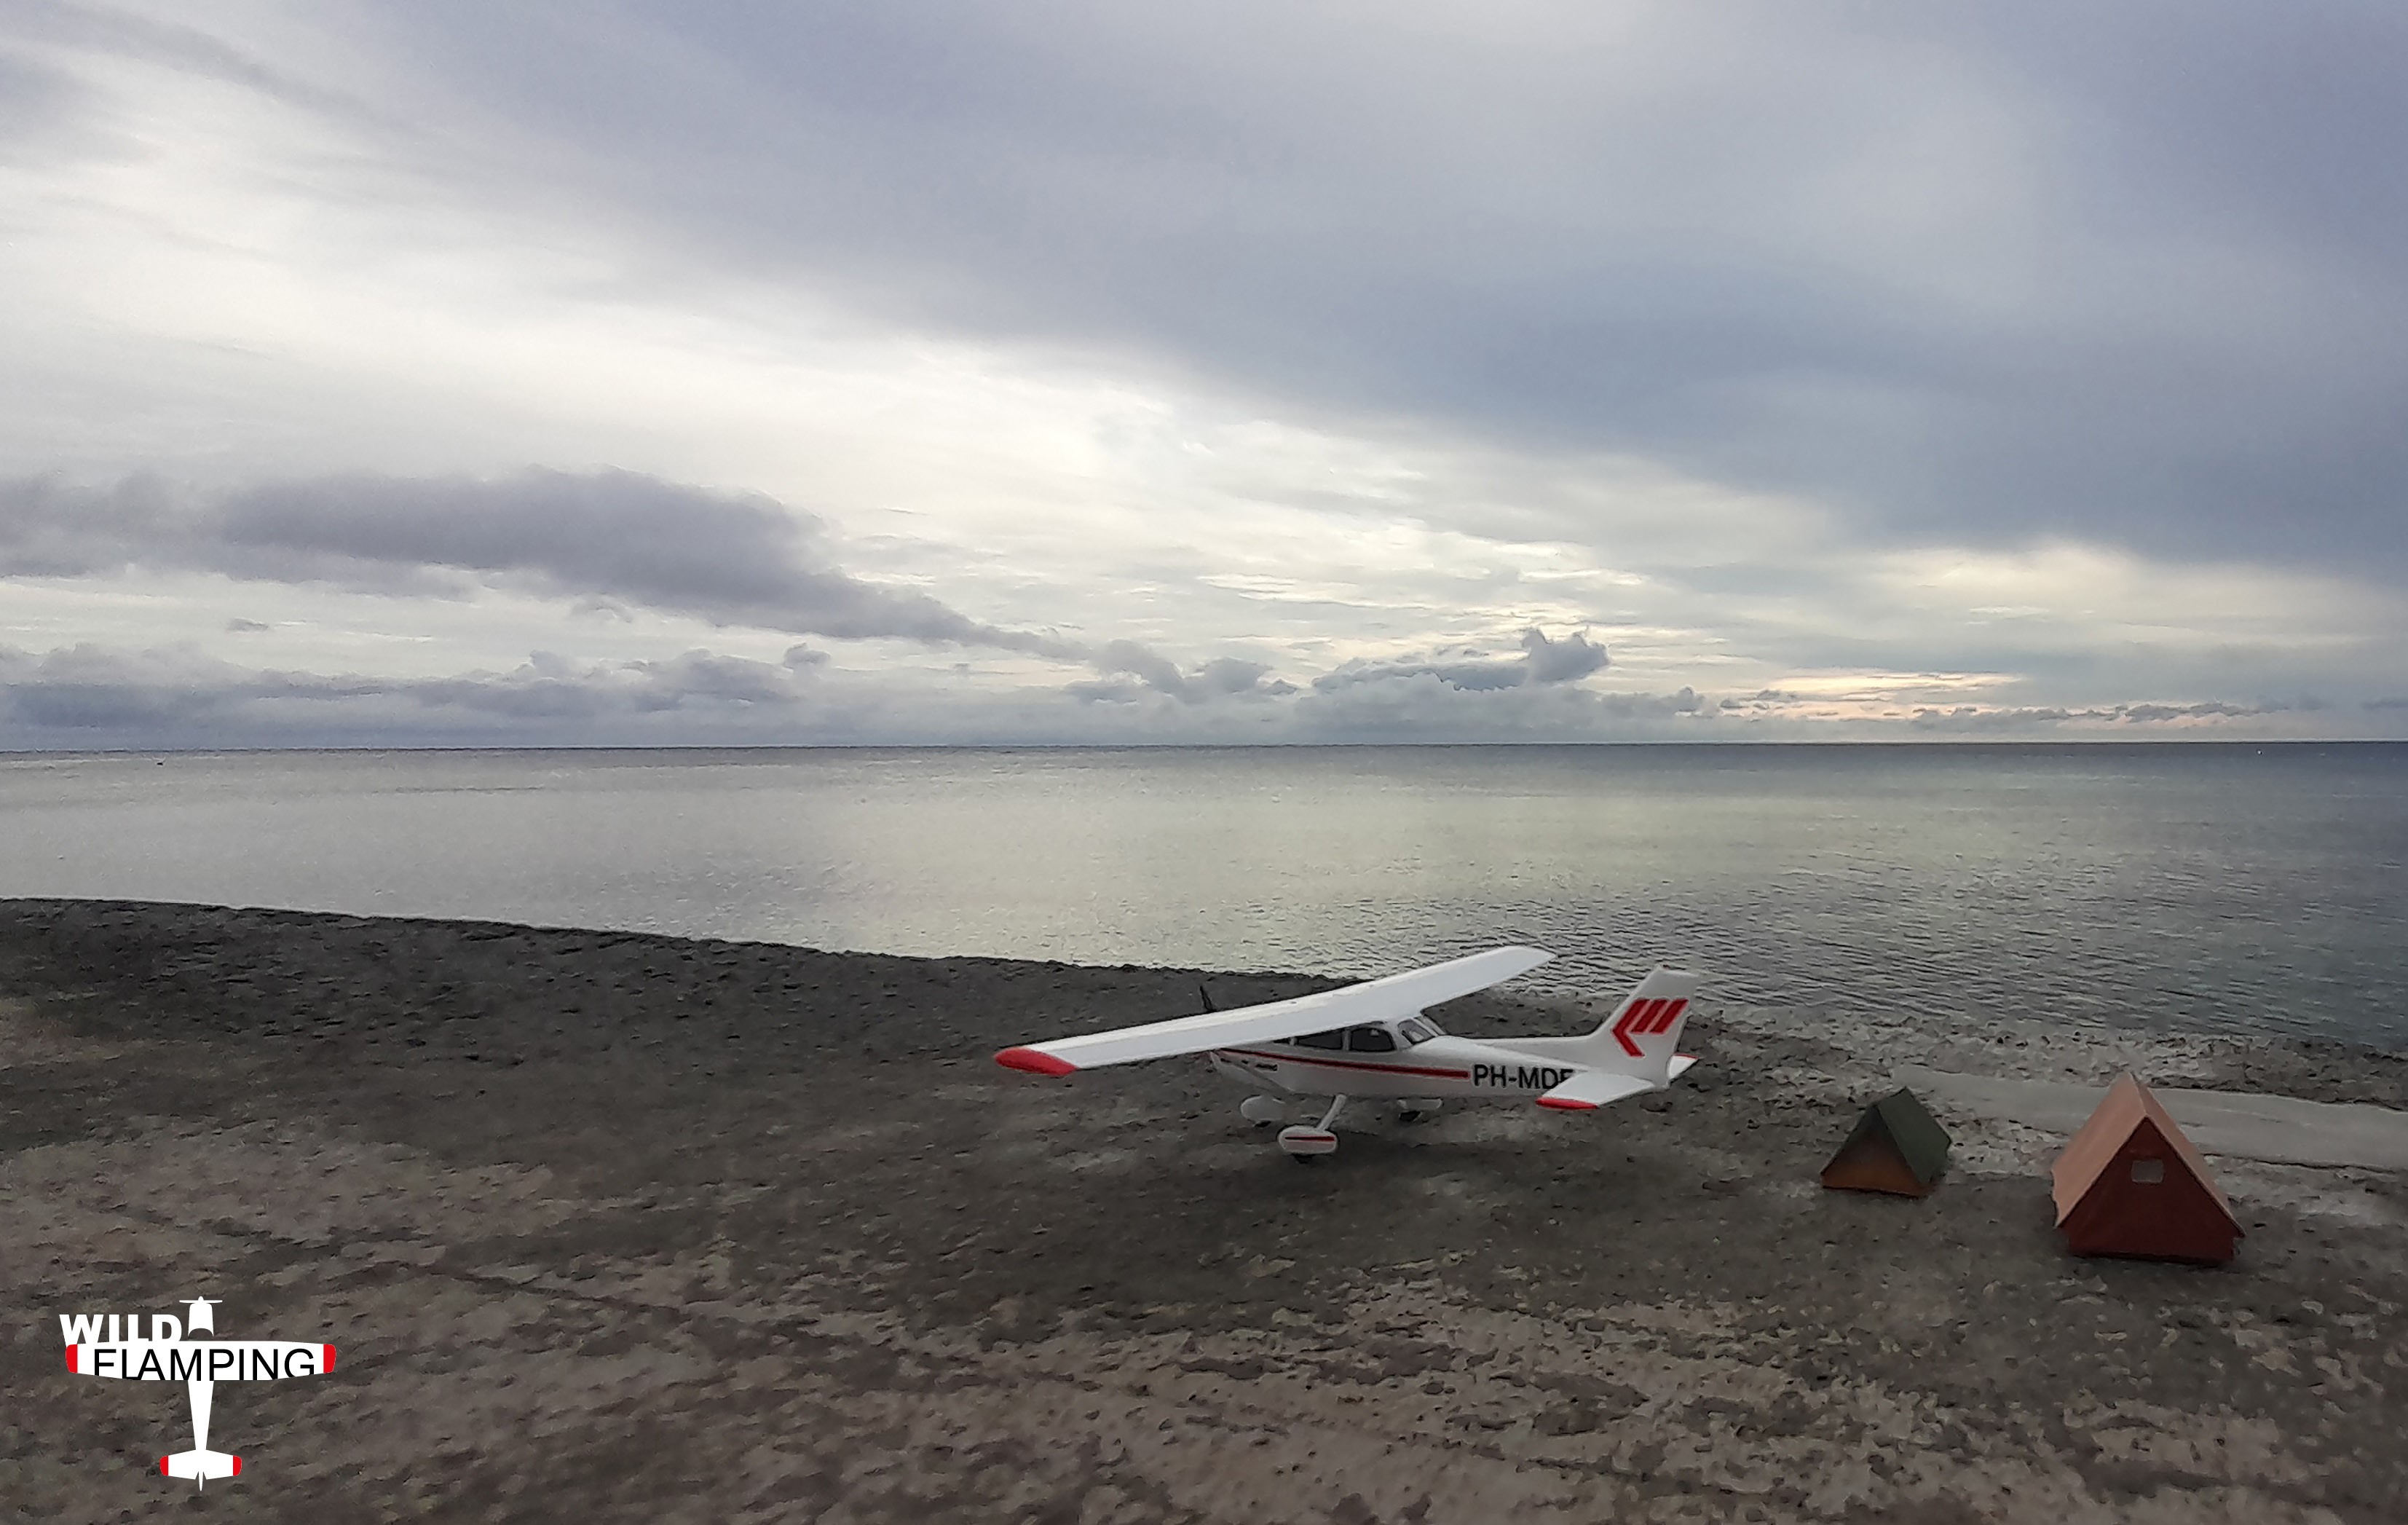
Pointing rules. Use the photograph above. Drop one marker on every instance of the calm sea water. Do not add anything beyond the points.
(2197, 887)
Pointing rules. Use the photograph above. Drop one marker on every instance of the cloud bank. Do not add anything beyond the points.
(734, 560)
(1091, 373)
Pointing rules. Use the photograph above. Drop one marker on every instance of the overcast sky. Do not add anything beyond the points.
(443, 372)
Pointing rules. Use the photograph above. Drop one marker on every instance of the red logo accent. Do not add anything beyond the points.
(1646, 1018)
(1634, 1019)
(329, 1364)
(71, 1350)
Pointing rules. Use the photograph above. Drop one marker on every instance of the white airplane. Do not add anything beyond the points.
(1372, 1041)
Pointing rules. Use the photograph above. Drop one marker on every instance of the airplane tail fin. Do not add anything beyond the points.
(1640, 1036)
(200, 1465)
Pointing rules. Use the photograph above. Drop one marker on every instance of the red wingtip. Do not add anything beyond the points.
(1565, 1104)
(327, 1364)
(71, 1350)
(1033, 1061)
(238, 1466)
(162, 1466)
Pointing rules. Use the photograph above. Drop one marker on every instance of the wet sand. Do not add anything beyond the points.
(612, 1226)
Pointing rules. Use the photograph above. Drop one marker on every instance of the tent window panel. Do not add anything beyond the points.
(2149, 1172)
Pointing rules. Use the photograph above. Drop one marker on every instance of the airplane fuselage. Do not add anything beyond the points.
(1444, 1067)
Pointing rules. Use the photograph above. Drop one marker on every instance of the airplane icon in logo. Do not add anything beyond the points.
(199, 1364)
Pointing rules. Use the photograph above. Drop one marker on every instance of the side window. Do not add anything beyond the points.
(1333, 1039)
(1370, 1040)
(2149, 1171)
(1414, 1032)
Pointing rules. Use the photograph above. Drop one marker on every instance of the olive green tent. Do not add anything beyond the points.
(1895, 1147)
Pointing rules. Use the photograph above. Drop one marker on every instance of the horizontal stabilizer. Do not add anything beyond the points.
(1382, 999)
(1593, 1089)
(201, 1466)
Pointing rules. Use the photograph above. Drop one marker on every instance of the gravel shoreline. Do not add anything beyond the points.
(610, 1226)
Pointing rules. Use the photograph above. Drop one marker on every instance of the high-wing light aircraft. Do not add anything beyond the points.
(1372, 1041)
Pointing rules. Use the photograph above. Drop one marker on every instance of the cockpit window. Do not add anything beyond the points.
(1335, 1038)
(1414, 1032)
(1370, 1040)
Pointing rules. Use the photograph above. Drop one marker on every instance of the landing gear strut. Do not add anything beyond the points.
(1306, 1145)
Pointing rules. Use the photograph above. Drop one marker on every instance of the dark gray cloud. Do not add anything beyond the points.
(1957, 269)
(1220, 678)
(92, 696)
(734, 559)
(1424, 707)
(1543, 661)
(599, 538)
(1974, 720)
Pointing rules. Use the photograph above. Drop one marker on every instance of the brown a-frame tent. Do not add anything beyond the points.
(2131, 1184)
(1896, 1147)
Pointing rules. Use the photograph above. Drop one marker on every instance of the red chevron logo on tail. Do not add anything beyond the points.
(1645, 1018)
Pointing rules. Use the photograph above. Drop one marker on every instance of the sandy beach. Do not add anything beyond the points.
(618, 1227)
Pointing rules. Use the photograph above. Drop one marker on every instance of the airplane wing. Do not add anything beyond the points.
(1589, 1089)
(1373, 1001)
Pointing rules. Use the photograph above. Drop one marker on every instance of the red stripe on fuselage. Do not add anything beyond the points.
(1354, 1064)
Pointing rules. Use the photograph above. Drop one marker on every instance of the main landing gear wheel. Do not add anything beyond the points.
(1417, 1109)
(1262, 1111)
(1306, 1145)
